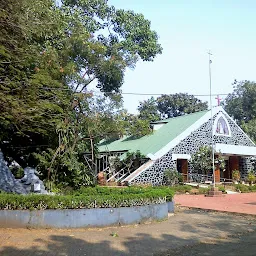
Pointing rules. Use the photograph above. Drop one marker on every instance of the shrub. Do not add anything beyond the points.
(245, 189)
(206, 190)
(236, 175)
(17, 172)
(172, 177)
(99, 190)
(203, 190)
(221, 188)
(65, 169)
(182, 188)
(94, 198)
(252, 188)
(241, 187)
(251, 177)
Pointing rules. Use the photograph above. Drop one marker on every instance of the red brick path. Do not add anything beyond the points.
(238, 203)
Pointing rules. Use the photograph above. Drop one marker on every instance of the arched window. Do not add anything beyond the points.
(222, 127)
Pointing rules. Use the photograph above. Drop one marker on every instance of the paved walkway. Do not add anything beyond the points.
(237, 203)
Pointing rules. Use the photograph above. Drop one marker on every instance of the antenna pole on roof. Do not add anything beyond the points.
(212, 138)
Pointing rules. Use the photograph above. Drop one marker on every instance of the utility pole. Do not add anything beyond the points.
(212, 133)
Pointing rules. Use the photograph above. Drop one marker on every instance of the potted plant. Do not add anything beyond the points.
(251, 177)
(236, 176)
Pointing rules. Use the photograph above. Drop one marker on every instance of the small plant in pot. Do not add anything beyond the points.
(251, 177)
(236, 176)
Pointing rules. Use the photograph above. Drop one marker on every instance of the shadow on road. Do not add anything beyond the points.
(187, 233)
(142, 244)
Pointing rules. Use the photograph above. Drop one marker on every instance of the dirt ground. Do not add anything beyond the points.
(187, 232)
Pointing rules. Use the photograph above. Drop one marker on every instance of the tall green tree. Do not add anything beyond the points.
(250, 128)
(134, 126)
(30, 108)
(148, 110)
(202, 160)
(241, 105)
(49, 55)
(94, 118)
(110, 40)
(168, 106)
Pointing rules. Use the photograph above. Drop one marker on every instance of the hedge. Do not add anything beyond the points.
(98, 190)
(134, 190)
(117, 198)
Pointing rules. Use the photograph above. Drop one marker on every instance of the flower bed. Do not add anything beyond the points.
(86, 207)
(88, 198)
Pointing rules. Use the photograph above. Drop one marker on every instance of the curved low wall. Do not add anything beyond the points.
(84, 217)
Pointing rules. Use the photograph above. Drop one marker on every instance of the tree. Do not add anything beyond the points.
(250, 128)
(148, 110)
(30, 108)
(95, 118)
(179, 104)
(136, 127)
(202, 160)
(109, 41)
(168, 106)
(241, 103)
(50, 54)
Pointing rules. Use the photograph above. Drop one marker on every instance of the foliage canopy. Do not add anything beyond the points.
(202, 161)
(241, 105)
(50, 54)
(168, 106)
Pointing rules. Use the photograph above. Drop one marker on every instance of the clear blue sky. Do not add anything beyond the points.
(187, 30)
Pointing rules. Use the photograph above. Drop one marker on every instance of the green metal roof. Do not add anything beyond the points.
(155, 141)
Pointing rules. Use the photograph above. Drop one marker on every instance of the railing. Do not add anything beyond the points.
(124, 176)
(118, 175)
(107, 170)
